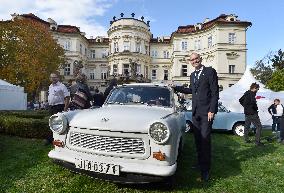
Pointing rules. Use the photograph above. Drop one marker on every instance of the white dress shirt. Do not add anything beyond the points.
(56, 93)
(279, 110)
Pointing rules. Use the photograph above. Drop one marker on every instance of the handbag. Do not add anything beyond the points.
(80, 100)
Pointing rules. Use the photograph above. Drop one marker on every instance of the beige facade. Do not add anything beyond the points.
(221, 43)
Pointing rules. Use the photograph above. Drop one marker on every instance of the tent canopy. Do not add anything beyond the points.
(12, 97)
(265, 97)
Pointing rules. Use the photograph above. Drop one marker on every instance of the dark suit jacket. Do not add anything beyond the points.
(205, 92)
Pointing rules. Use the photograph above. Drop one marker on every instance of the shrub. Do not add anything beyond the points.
(24, 127)
(39, 114)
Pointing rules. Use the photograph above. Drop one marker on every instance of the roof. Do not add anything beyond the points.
(219, 20)
(5, 83)
(60, 28)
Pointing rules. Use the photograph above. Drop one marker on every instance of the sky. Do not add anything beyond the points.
(93, 16)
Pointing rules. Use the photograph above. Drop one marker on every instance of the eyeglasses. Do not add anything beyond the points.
(193, 59)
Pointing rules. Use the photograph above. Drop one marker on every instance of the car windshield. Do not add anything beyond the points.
(157, 96)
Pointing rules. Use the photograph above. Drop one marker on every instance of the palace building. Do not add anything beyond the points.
(221, 42)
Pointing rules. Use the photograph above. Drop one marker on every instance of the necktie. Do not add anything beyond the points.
(196, 72)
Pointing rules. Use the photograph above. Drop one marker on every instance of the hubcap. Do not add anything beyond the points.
(240, 129)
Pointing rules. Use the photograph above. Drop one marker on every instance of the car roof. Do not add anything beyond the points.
(147, 84)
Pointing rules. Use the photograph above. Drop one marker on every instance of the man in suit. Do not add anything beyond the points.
(205, 95)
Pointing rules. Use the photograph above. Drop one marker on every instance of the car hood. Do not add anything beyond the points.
(134, 118)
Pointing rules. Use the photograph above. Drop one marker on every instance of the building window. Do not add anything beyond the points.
(67, 45)
(154, 74)
(209, 41)
(138, 69)
(154, 53)
(166, 54)
(114, 70)
(232, 38)
(115, 45)
(93, 52)
(184, 70)
(166, 75)
(232, 69)
(126, 46)
(103, 75)
(138, 47)
(81, 49)
(104, 54)
(67, 70)
(147, 50)
(125, 69)
(92, 75)
(197, 45)
(184, 45)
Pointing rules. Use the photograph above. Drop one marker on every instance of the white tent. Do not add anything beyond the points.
(12, 97)
(265, 97)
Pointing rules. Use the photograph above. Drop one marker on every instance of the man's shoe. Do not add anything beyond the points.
(259, 144)
(205, 176)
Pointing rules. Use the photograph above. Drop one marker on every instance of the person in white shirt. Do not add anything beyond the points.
(58, 100)
(276, 111)
(58, 95)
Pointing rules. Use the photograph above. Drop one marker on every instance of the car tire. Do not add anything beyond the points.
(239, 129)
(188, 127)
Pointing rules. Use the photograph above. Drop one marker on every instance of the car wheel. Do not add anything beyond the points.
(188, 127)
(239, 129)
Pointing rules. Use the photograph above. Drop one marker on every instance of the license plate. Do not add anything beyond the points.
(98, 167)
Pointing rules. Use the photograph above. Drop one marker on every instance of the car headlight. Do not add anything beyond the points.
(159, 133)
(58, 123)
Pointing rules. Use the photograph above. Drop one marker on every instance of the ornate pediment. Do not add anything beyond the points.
(232, 55)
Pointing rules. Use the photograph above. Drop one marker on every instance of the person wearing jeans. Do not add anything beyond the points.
(276, 110)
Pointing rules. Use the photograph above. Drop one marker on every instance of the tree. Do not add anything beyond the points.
(278, 60)
(28, 54)
(276, 81)
(262, 70)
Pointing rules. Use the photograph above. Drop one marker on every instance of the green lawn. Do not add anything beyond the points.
(237, 167)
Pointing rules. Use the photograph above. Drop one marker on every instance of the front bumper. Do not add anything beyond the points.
(131, 170)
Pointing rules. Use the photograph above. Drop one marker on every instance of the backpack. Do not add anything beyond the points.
(80, 100)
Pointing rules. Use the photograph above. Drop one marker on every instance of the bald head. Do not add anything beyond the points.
(195, 60)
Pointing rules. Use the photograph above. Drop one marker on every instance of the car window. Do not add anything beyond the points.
(157, 96)
(221, 108)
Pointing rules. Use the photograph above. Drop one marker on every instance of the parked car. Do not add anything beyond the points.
(135, 137)
(224, 120)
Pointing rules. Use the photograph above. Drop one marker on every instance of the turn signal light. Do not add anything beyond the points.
(58, 143)
(159, 156)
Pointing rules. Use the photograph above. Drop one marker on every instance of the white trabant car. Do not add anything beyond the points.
(135, 137)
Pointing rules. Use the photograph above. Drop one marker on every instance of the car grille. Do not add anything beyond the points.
(107, 143)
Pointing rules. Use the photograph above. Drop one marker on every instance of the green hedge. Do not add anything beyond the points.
(38, 114)
(11, 124)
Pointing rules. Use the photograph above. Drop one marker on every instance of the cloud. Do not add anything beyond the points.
(81, 13)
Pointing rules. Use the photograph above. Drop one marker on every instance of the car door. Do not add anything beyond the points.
(221, 119)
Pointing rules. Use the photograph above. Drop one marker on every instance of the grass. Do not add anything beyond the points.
(236, 167)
